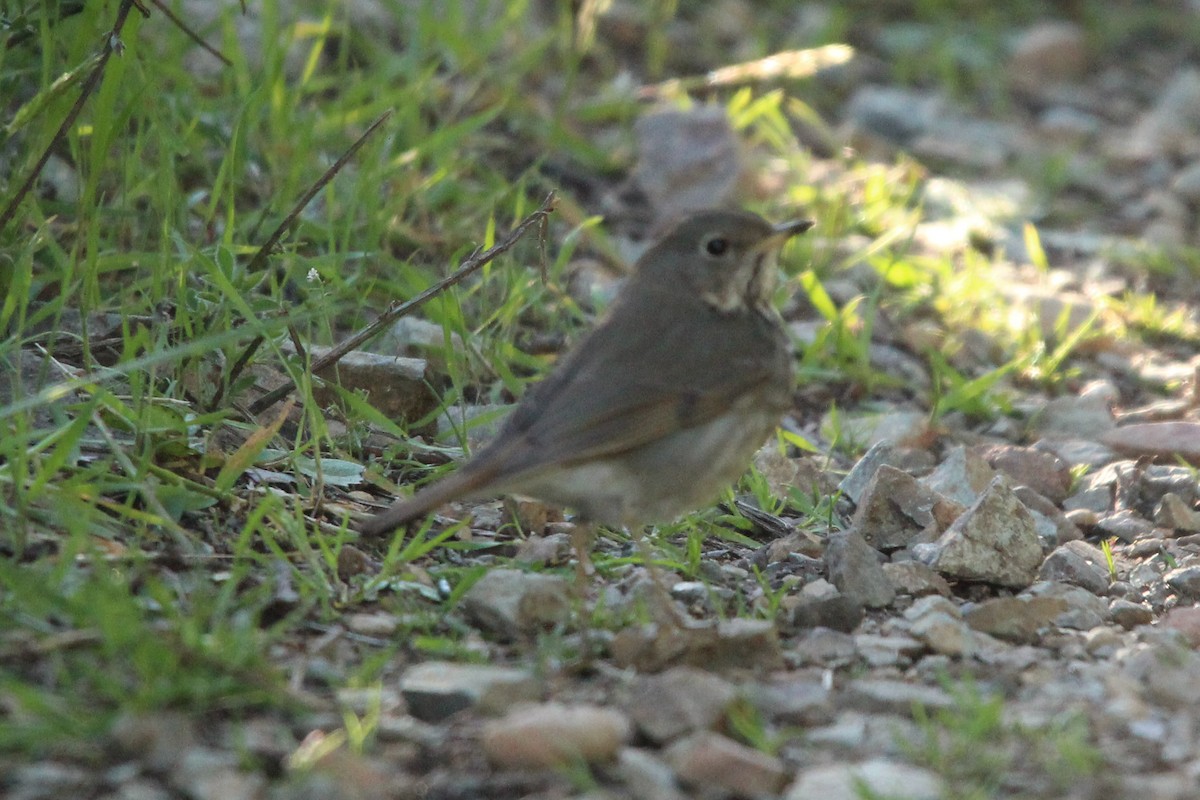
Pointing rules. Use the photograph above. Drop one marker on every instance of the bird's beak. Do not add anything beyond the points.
(783, 231)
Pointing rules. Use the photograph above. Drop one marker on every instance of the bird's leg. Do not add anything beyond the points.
(666, 603)
(583, 535)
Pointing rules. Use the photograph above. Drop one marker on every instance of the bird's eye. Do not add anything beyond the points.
(716, 246)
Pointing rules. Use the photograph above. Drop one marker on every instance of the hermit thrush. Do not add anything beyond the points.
(663, 403)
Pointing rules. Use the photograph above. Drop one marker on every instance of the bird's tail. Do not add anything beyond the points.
(463, 483)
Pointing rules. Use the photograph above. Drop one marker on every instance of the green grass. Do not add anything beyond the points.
(146, 562)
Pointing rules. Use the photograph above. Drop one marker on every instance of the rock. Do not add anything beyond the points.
(878, 777)
(905, 428)
(943, 633)
(1047, 53)
(895, 510)
(836, 612)
(509, 603)
(48, 780)
(961, 476)
(1078, 563)
(1125, 525)
(1084, 610)
(887, 651)
(158, 739)
(881, 453)
(1044, 472)
(1185, 581)
(1166, 440)
(1054, 527)
(397, 386)
(968, 142)
(1068, 126)
(204, 774)
(1173, 513)
(710, 760)
(1170, 127)
(855, 570)
(826, 648)
(434, 690)
(646, 776)
(552, 735)
(737, 643)
(1129, 614)
(916, 579)
(1083, 417)
(680, 701)
(1015, 619)
(885, 696)
(687, 159)
(1186, 183)
(1078, 452)
(895, 115)
(994, 541)
(792, 702)
(1186, 621)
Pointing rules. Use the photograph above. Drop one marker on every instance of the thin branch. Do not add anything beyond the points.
(398, 309)
(260, 258)
(112, 42)
(195, 37)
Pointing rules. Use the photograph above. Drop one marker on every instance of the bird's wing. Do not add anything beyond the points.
(637, 378)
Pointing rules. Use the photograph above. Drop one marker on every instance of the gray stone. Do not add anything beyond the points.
(1170, 127)
(855, 570)
(792, 702)
(1186, 182)
(646, 776)
(1129, 614)
(879, 777)
(994, 541)
(1078, 563)
(549, 735)
(1083, 417)
(885, 696)
(896, 115)
(863, 471)
(1015, 619)
(509, 603)
(825, 647)
(836, 612)
(687, 159)
(943, 633)
(434, 690)
(915, 579)
(1185, 581)
(1084, 610)
(680, 701)
(204, 774)
(961, 477)
(887, 651)
(896, 509)
(1047, 53)
(711, 760)
(1126, 525)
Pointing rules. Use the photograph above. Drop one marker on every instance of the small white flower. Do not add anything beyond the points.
(313, 276)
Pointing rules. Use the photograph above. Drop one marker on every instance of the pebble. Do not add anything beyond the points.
(711, 760)
(855, 570)
(1047, 53)
(554, 735)
(878, 777)
(994, 541)
(679, 701)
(510, 604)
(434, 690)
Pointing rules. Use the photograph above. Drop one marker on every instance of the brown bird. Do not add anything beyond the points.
(662, 405)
